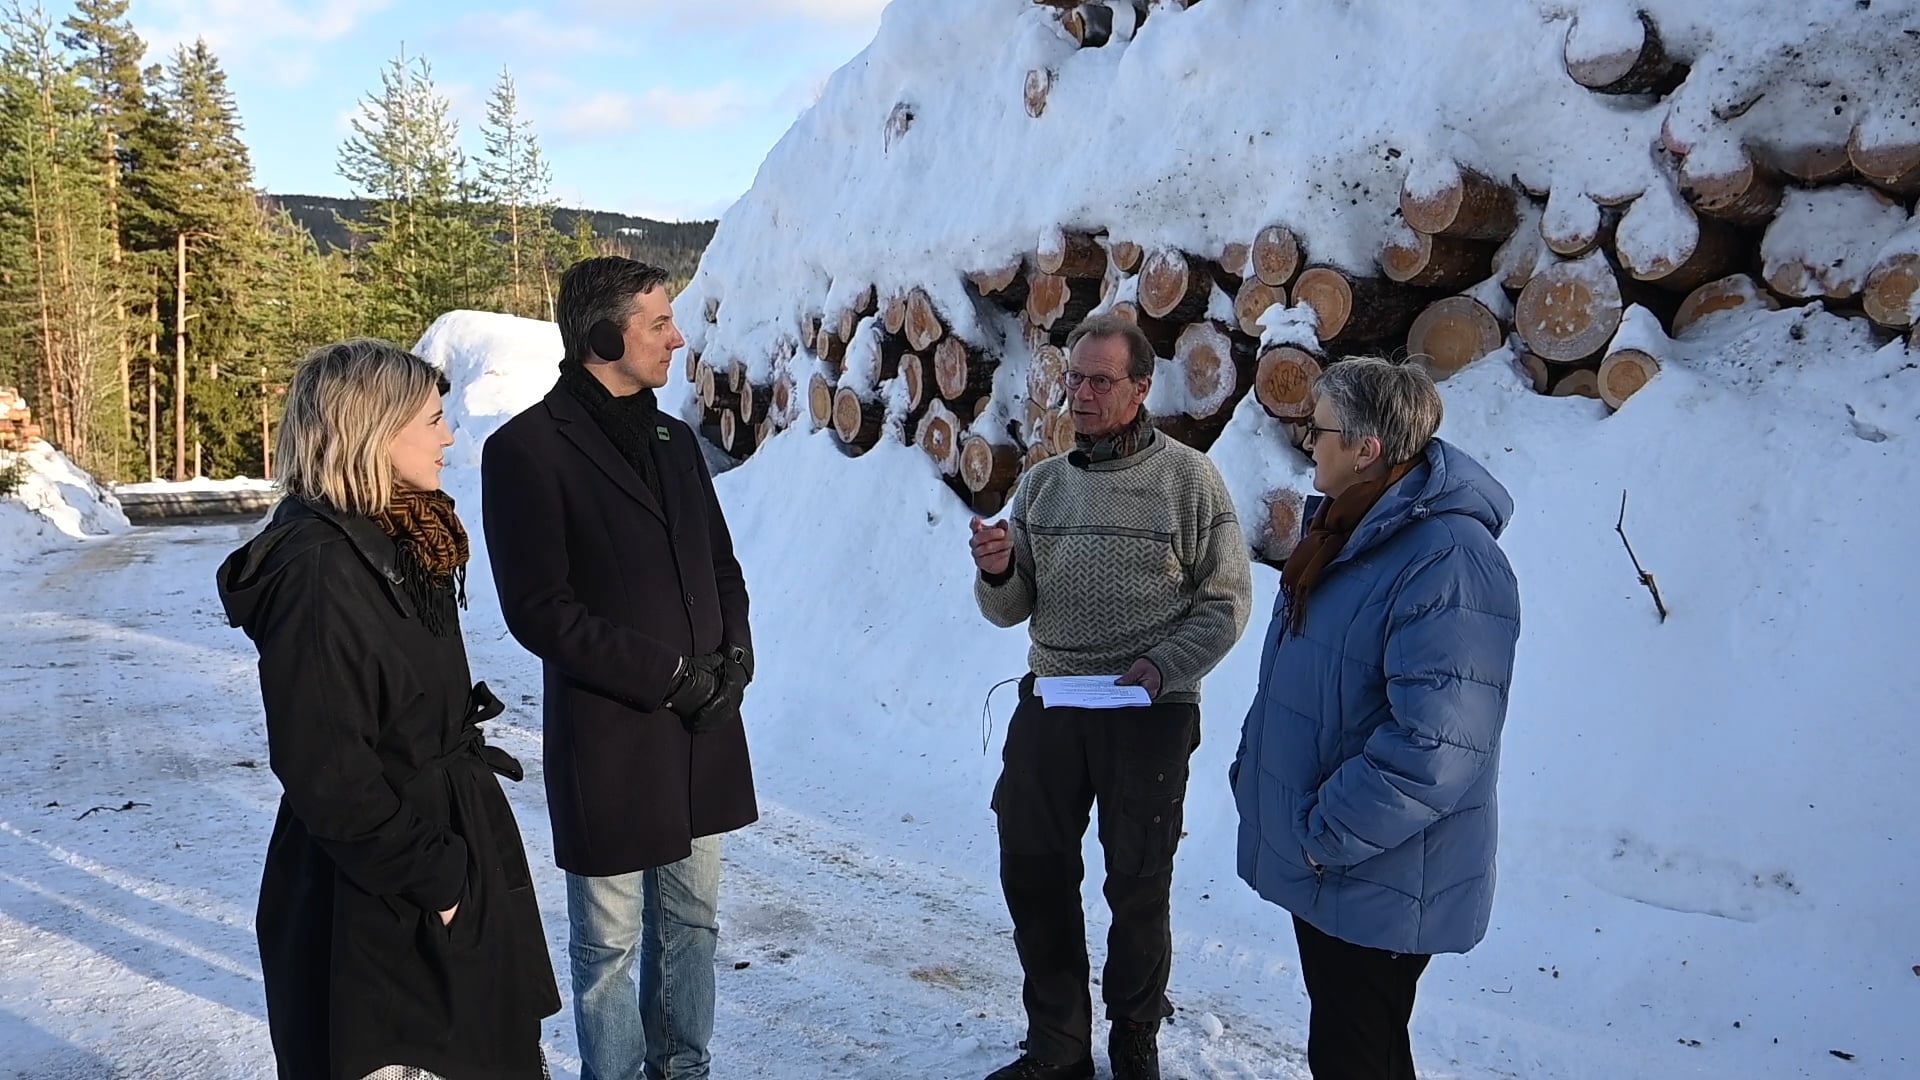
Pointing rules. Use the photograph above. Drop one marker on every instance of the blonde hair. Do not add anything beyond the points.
(345, 404)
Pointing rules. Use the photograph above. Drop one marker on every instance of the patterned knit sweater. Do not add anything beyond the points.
(1138, 556)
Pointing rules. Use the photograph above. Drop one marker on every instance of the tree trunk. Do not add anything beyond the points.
(1215, 366)
(713, 391)
(1355, 309)
(1891, 166)
(1644, 69)
(940, 438)
(1824, 268)
(988, 466)
(1733, 188)
(1470, 206)
(924, 327)
(1125, 255)
(1039, 85)
(1284, 380)
(1253, 300)
(1536, 370)
(810, 325)
(1893, 287)
(1416, 258)
(1453, 332)
(1715, 249)
(1731, 293)
(1174, 289)
(1574, 224)
(1581, 381)
(1624, 372)
(756, 402)
(153, 382)
(1046, 376)
(1277, 255)
(737, 376)
(914, 376)
(1569, 311)
(1236, 260)
(820, 400)
(830, 346)
(1516, 259)
(1090, 25)
(856, 421)
(963, 374)
(737, 436)
(180, 358)
(1058, 304)
(1006, 287)
(893, 314)
(1070, 254)
(781, 405)
(1814, 163)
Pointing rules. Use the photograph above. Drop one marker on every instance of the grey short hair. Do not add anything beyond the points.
(1395, 403)
(1139, 350)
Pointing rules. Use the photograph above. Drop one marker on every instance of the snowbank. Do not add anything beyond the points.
(56, 499)
(1704, 818)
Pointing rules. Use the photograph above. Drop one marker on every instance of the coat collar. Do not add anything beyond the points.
(579, 429)
(374, 547)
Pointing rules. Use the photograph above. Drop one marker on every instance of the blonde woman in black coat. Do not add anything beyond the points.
(399, 936)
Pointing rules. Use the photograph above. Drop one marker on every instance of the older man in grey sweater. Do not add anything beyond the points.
(1125, 559)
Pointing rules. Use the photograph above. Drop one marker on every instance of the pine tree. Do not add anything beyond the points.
(108, 55)
(56, 274)
(517, 184)
(426, 252)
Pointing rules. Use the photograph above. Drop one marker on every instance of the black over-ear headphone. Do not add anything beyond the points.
(606, 340)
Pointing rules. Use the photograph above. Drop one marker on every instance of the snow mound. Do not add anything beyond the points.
(56, 499)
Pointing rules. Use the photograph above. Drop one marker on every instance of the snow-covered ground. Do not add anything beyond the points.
(198, 484)
(1707, 822)
(56, 501)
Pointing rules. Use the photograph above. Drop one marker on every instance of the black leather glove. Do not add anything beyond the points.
(698, 682)
(725, 705)
(742, 655)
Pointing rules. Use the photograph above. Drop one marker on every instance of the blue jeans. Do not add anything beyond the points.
(669, 914)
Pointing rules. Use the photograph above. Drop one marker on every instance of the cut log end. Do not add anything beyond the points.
(1172, 289)
(1893, 291)
(1126, 255)
(1280, 524)
(1452, 333)
(923, 325)
(820, 400)
(856, 421)
(1417, 258)
(1283, 382)
(1473, 207)
(1623, 373)
(1204, 354)
(1732, 293)
(1642, 69)
(1569, 311)
(1070, 254)
(1252, 301)
(1579, 382)
(988, 466)
(1039, 85)
(940, 438)
(1276, 255)
(960, 373)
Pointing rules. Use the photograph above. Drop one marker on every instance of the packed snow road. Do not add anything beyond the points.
(138, 803)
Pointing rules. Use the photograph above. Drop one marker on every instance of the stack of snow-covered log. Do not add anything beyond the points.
(1586, 288)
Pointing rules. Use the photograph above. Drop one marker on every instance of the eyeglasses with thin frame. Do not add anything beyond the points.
(1314, 431)
(1101, 384)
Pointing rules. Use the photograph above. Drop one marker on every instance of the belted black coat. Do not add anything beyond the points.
(611, 587)
(391, 813)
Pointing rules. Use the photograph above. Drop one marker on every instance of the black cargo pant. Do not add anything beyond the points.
(1058, 764)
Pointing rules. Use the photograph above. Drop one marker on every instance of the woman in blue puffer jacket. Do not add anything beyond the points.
(1366, 771)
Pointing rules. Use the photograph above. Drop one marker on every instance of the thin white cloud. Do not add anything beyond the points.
(272, 31)
(611, 112)
(741, 13)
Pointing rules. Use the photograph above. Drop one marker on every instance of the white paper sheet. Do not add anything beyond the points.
(1088, 692)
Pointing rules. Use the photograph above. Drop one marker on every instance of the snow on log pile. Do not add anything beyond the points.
(43, 494)
(917, 249)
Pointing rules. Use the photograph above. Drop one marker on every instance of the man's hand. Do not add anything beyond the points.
(699, 682)
(992, 547)
(1143, 673)
(725, 705)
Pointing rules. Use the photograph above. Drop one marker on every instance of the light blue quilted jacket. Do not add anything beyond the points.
(1373, 742)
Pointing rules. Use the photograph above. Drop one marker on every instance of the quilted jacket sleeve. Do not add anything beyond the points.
(1452, 624)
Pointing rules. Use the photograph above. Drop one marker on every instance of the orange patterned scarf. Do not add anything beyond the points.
(431, 545)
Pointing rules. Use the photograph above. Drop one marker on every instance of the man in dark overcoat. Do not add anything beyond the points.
(614, 566)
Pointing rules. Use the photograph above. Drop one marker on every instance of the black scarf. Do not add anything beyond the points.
(1128, 441)
(631, 421)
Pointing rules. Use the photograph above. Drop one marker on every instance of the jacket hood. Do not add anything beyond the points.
(1449, 481)
(295, 527)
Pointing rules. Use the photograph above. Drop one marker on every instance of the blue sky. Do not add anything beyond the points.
(663, 108)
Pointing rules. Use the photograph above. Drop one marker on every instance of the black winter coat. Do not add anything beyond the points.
(391, 814)
(610, 589)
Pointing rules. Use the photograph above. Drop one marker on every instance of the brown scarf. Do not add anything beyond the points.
(1327, 534)
(1128, 441)
(431, 546)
